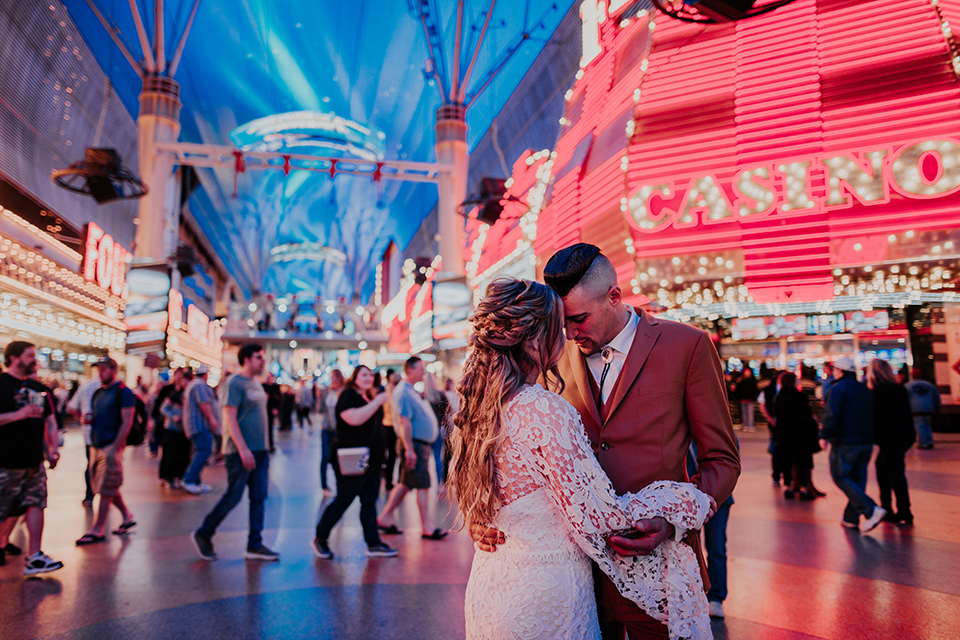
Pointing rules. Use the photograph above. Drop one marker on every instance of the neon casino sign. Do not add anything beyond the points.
(104, 260)
(922, 170)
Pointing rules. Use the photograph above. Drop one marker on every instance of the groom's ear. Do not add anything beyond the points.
(614, 295)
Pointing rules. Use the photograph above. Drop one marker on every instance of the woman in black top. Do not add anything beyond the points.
(893, 431)
(359, 424)
(798, 436)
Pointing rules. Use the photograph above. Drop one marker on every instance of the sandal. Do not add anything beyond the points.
(392, 530)
(89, 538)
(438, 534)
(124, 528)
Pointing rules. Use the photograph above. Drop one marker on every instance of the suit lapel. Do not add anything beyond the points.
(578, 365)
(643, 341)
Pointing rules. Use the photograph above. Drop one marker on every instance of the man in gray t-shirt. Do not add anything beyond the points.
(245, 456)
(416, 427)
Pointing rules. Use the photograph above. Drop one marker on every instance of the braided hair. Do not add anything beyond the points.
(517, 331)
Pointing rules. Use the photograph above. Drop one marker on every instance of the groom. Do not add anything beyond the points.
(644, 388)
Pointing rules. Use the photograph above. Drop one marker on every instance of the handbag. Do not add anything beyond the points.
(353, 461)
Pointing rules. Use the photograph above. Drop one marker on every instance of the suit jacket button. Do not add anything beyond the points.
(605, 445)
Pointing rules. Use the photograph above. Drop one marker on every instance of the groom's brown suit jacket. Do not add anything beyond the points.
(670, 391)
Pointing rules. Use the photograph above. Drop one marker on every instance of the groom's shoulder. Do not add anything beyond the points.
(677, 331)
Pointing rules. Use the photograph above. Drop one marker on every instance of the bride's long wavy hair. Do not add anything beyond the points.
(513, 316)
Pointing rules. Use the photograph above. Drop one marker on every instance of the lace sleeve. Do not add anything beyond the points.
(666, 584)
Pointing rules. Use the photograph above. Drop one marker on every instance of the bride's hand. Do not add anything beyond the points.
(486, 538)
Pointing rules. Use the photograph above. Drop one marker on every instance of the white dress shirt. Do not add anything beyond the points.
(621, 347)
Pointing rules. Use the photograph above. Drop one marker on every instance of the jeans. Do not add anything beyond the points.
(326, 443)
(367, 487)
(848, 468)
(746, 413)
(892, 477)
(924, 427)
(715, 543)
(202, 448)
(438, 448)
(238, 478)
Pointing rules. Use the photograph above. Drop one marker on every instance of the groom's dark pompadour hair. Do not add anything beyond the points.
(566, 267)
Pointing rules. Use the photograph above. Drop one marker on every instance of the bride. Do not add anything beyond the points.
(523, 464)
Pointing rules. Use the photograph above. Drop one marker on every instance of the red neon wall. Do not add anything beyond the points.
(815, 78)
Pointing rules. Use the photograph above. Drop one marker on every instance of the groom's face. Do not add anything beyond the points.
(591, 318)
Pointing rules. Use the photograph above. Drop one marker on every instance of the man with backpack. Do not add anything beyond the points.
(111, 420)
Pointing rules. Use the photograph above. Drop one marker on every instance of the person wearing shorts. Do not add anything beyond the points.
(416, 427)
(112, 416)
(28, 433)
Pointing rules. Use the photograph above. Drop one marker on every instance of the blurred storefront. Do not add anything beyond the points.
(69, 304)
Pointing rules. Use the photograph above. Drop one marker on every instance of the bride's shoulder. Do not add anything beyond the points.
(544, 401)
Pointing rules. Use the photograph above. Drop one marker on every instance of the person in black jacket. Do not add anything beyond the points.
(798, 436)
(746, 392)
(359, 424)
(894, 433)
(848, 427)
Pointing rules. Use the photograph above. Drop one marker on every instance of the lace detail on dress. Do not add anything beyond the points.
(546, 448)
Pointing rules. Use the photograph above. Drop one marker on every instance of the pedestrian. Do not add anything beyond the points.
(416, 427)
(176, 445)
(328, 425)
(714, 545)
(924, 404)
(848, 428)
(393, 379)
(246, 457)
(779, 465)
(894, 434)
(305, 402)
(28, 435)
(200, 423)
(112, 417)
(441, 409)
(359, 428)
(746, 392)
(798, 436)
(81, 406)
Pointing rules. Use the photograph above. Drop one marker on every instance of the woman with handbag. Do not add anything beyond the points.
(358, 458)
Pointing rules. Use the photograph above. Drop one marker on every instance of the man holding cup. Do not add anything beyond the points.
(28, 433)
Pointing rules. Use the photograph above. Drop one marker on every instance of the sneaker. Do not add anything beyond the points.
(261, 553)
(381, 551)
(203, 545)
(321, 550)
(875, 518)
(716, 609)
(776, 482)
(788, 494)
(196, 489)
(848, 524)
(40, 563)
(12, 550)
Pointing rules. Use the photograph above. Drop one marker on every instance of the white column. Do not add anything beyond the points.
(452, 150)
(159, 214)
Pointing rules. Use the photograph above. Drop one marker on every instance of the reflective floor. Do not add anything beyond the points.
(795, 573)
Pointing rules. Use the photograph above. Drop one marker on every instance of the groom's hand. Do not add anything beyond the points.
(651, 533)
(486, 537)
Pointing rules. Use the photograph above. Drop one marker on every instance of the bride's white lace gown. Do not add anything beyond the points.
(558, 508)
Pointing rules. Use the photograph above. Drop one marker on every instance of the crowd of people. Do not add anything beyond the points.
(850, 417)
(593, 440)
(188, 425)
